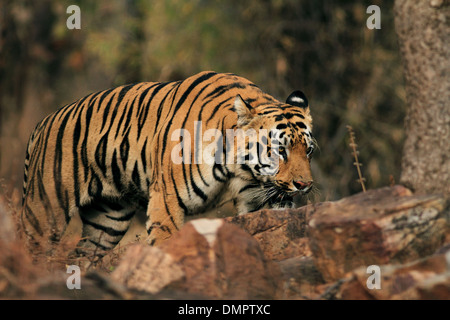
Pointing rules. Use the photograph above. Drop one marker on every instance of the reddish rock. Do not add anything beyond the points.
(208, 257)
(221, 260)
(147, 269)
(300, 279)
(427, 278)
(382, 226)
(281, 234)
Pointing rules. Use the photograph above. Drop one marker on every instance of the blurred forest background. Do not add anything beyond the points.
(351, 75)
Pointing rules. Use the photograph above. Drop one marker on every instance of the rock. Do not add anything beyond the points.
(208, 257)
(147, 269)
(300, 279)
(281, 234)
(96, 286)
(427, 278)
(382, 226)
(222, 261)
(435, 288)
(17, 271)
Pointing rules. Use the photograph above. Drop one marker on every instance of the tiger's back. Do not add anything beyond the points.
(110, 154)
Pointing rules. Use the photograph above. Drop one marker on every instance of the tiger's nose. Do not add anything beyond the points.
(301, 185)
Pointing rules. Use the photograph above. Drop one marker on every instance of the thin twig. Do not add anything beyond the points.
(355, 153)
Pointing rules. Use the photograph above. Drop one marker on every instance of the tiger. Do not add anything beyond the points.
(110, 155)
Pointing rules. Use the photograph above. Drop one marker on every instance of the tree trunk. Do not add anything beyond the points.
(423, 29)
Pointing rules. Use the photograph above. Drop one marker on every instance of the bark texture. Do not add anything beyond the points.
(423, 29)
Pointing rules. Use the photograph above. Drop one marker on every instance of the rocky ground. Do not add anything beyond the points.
(382, 244)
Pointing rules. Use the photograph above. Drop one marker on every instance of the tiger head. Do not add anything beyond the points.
(280, 156)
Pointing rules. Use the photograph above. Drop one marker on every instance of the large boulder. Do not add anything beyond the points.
(381, 226)
(426, 278)
(281, 234)
(208, 257)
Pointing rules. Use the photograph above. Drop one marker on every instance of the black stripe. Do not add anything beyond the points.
(186, 183)
(247, 168)
(129, 114)
(84, 157)
(186, 93)
(166, 206)
(192, 106)
(141, 101)
(248, 186)
(119, 124)
(116, 172)
(172, 102)
(57, 168)
(218, 168)
(180, 201)
(96, 205)
(108, 230)
(76, 138)
(126, 217)
(125, 90)
(269, 112)
(297, 114)
(79, 104)
(288, 115)
(114, 205)
(197, 190)
(124, 150)
(198, 149)
(217, 107)
(120, 97)
(222, 89)
(143, 156)
(182, 127)
(51, 220)
(266, 96)
(43, 148)
(160, 107)
(106, 111)
(136, 178)
(104, 95)
(99, 245)
(100, 154)
(301, 124)
(144, 110)
(95, 186)
(31, 218)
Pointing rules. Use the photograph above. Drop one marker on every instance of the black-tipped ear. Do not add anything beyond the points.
(297, 98)
(243, 110)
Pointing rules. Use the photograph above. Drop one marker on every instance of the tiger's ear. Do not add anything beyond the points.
(298, 99)
(243, 110)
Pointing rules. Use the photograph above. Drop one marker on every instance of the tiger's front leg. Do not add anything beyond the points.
(164, 217)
